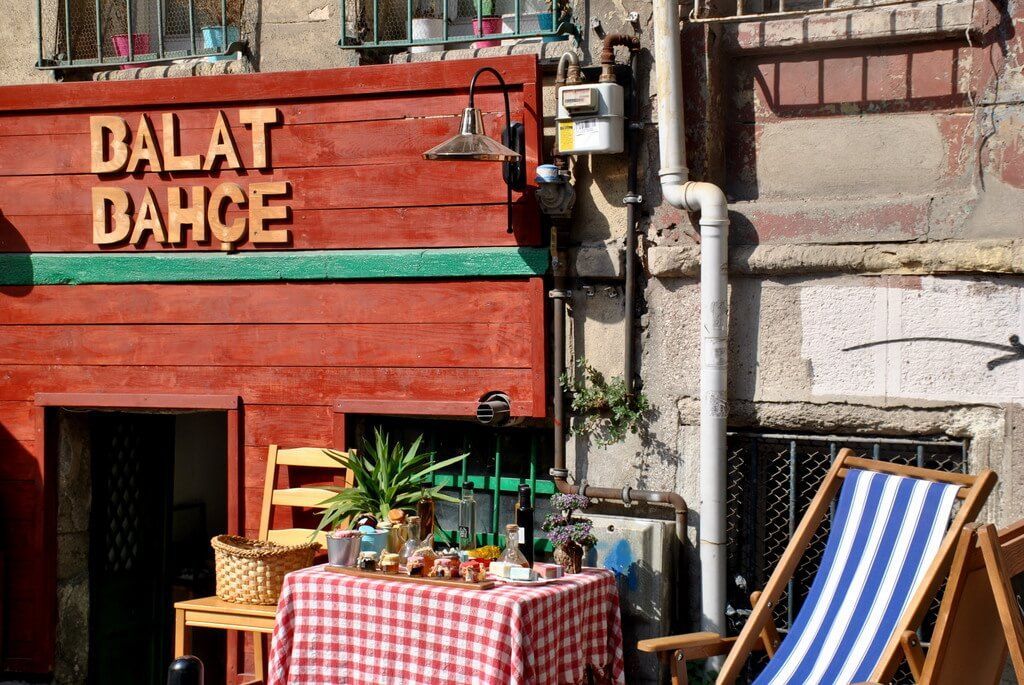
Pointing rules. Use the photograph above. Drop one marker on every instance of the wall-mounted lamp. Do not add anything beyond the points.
(472, 145)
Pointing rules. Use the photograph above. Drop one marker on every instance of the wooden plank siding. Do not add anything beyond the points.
(399, 284)
(351, 150)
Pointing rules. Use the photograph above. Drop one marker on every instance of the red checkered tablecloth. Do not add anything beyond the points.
(334, 629)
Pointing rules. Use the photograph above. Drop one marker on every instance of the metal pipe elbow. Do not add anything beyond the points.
(568, 70)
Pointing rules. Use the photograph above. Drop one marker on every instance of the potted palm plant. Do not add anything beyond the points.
(387, 476)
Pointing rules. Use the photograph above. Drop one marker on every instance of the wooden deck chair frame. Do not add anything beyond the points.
(979, 620)
(760, 631)
(213, 612)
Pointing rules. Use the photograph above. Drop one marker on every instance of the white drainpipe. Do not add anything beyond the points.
(709, 200)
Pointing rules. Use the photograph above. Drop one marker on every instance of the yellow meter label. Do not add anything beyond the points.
(566, 136)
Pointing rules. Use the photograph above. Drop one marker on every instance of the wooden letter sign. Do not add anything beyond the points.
(118, 149)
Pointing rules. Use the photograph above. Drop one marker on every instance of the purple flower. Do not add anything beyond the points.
(569, 503)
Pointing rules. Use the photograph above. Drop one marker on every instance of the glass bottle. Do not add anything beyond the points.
(511, 554)
(425, 510)
(414, 541)
(467, 518)
(524, 519)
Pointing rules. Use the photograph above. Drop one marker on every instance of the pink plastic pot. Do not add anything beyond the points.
(140, 43)
(485, 27)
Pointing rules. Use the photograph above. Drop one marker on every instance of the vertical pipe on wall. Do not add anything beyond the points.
(710, 201)
(632, 202)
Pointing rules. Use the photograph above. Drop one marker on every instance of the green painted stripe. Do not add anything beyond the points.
(326, 265)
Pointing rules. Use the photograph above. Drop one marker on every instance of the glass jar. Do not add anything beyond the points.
(413, 541)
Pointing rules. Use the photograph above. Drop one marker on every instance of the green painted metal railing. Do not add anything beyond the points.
(497, 485)
(391, 23)
(112, 33)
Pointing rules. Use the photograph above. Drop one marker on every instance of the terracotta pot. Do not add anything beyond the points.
(570, 556)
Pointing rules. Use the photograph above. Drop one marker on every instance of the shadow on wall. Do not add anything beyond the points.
(764, 93)
(15, 261)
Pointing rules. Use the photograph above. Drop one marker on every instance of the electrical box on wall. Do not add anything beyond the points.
(590, 119)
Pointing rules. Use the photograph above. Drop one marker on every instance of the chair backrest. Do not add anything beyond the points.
(885, 534)
(890, 545)
(305, 497)
(980, 619)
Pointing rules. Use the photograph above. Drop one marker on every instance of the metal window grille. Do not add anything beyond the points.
(108, 33)
(500, 460)
(712, 11)
(452, 23)
(771, 481)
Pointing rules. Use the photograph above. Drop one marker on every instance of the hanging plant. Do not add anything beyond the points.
(604, 409)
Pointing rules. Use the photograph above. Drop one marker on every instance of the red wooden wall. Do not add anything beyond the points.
(350, 145)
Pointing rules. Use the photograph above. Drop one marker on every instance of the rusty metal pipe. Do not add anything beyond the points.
(611, 41)
(568, 67)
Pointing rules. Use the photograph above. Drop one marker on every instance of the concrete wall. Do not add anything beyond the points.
(874, 162)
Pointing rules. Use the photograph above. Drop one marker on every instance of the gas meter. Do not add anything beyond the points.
(590, 119)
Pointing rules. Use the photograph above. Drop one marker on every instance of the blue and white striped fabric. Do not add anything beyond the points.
(885, 534)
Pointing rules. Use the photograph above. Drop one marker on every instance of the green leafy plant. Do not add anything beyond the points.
(387, 476)
(604, 409)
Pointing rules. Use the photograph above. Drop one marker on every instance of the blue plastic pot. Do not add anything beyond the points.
(213, 40)
(547, 24)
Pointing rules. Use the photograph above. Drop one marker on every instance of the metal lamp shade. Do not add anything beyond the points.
(471, 144)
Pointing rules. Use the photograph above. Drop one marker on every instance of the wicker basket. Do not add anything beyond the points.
(252, 571)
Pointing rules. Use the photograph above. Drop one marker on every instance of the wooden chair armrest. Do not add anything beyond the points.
(693, 645)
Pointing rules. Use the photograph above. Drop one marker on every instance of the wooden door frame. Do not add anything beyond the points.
(46, 515)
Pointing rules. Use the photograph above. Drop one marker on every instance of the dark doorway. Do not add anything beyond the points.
(152, 491)
(129, 560)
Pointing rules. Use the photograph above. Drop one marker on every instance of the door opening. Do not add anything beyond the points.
(139, 496)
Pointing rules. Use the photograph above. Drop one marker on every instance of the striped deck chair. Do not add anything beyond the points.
(888, 550)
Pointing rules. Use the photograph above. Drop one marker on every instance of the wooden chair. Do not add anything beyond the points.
(892, 499)
(979, 619)
(212, 612)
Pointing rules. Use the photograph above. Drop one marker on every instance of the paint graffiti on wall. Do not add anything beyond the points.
(933, 342)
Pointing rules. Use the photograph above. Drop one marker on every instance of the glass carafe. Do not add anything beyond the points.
(511, 554)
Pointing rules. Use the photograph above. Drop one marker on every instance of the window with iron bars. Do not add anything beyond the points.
(772, 478)
(108, 33)
(428, 25)
(499, 461)
(713, 11)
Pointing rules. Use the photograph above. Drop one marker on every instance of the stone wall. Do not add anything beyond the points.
(74, 504)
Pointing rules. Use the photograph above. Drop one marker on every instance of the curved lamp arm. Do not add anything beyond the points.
(510, 174)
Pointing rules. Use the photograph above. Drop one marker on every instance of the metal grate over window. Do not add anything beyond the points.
(426, 25)
(106, 33)
(717, 11)
(771, 481)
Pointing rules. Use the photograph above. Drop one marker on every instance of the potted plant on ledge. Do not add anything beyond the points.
(488, 24)
(570, 535)
(426, 25)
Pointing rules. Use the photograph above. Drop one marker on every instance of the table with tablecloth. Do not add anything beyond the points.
(336, 629)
